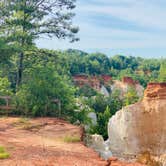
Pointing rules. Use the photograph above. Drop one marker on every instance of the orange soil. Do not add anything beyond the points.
(40, 142)
(44, 145)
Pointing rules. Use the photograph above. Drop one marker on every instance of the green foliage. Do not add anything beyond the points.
(5, 89)
(81, 112)
(114, 101)
(100, 102)
(71, 139)
(143, 70)
(3, 153)
(162, 72)
(22, 22)
(26, 20)
(81, 117)
(96, 63)
(5, 51)
(121, 62)
(41, 86)
(131, 96)
(86, 91)
(102, 123)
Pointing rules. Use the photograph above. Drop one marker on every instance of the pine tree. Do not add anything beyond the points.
(5, 51)
(24, 21)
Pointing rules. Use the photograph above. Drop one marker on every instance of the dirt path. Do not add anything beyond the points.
(40, 142)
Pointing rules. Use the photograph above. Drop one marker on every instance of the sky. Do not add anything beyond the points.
(127, 27)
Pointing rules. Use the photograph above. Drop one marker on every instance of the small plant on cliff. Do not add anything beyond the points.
(131, 96)
(3, 153)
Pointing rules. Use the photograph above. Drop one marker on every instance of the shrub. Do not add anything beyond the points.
(86, 91)
(102, 123)
(5, 86)
(41, 86)
(131, 96)
(5, 89)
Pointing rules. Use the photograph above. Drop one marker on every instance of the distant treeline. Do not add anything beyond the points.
(141, 69)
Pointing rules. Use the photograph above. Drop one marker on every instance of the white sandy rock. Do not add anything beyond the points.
(142, 126)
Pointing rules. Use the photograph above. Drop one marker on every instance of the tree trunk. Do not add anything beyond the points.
(20, 69)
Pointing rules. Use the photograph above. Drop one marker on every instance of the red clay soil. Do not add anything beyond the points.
(40, 142)
(113, 161)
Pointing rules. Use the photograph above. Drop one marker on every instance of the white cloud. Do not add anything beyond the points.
(142, 13)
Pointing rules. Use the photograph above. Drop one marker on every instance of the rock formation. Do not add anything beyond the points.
(142, 126)
(92, 81)
(129, 81)
(102, 82)
(124, 85)
(97, 143)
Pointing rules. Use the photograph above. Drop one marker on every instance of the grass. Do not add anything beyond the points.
(21, 122)
(25, 124)
(71, 139)
(3, 153)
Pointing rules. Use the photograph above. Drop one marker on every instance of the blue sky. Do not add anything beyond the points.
(128, 27)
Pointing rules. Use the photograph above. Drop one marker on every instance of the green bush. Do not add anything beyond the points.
(131, 96)
(102, 123)
(86, 91)
(81, 113)
(5, 87)
(41, 87)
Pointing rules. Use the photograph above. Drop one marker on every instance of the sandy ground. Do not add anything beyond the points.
(40, 142)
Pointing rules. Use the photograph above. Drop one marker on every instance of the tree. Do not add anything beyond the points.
(102, 123)
(86, 91)
(5, 51)
(162, 72)
(114, 101)
(22, 22)
(131, 96)
(99, 103)
(42, 85)
(5, 86)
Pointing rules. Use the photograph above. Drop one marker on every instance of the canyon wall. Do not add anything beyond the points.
(99, 83)
(94, 82)
(142, 126)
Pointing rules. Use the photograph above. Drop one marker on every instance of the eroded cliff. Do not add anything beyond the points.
(142, 126)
